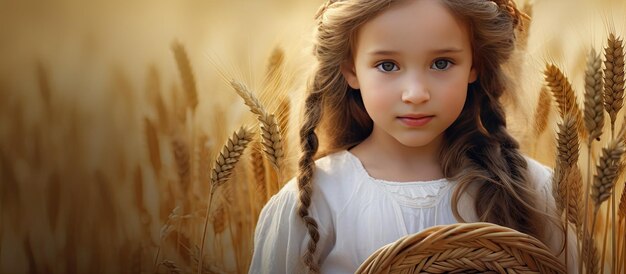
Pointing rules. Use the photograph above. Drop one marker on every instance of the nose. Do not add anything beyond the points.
(416, 91)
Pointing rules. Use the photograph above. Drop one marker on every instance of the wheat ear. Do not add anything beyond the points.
(224, 164)
(183, 167)
(152, 140)
(574, 196)
(567, 157)
(568, 146)
(229, 156)
(590, 254)
(270, 130)
(186, 74)
(564, 95)
(594, 100)
(607, 171)
(524, 32)
(613, 77)
(274, 68)
(284, 113)
(542, 112)
(153, 91)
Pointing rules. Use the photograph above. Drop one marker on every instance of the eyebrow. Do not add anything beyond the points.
(436, 51)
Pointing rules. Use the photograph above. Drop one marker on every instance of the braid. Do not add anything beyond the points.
(510, 170)
(309, 144)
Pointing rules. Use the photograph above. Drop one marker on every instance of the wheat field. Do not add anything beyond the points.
(146, 136)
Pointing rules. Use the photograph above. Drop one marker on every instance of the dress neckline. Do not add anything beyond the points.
(359, 165)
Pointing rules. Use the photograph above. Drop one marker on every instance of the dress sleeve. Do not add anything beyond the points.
(554, 231)
(281, 237)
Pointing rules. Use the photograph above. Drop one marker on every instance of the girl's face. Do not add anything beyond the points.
(412, 63)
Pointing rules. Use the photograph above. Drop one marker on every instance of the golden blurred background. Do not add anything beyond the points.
(112, 114)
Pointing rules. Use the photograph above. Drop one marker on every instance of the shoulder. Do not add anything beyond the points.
(331, 185)
(537, 170)
(539, 174)
(331, 173)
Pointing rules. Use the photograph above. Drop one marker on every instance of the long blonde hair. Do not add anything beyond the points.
(477, 147)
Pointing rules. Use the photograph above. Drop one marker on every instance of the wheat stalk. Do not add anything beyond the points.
(621, 239)
(186, 74)
(224, 164)
(564, 95)
(613, 77)
(542, 112)
(594, 101)
(270, 130)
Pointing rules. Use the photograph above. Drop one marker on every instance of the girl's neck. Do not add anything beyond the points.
(387, 159)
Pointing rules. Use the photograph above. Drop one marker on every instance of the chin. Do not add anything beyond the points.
(416, 141)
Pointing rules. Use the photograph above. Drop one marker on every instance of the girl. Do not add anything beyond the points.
(406, 96)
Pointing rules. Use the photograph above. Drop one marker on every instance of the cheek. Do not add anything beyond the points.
(454, 95)
(377, 91)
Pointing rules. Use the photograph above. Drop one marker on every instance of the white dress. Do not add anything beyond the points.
(356, 215)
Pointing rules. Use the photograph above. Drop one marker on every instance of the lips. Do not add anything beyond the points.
(415, 120)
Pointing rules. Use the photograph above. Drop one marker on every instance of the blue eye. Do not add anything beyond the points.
(387, 66)
(441, 64)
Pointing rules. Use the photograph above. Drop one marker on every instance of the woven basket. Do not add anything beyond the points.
(464, 248)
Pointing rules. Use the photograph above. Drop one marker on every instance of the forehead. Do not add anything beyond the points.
(414, 25)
